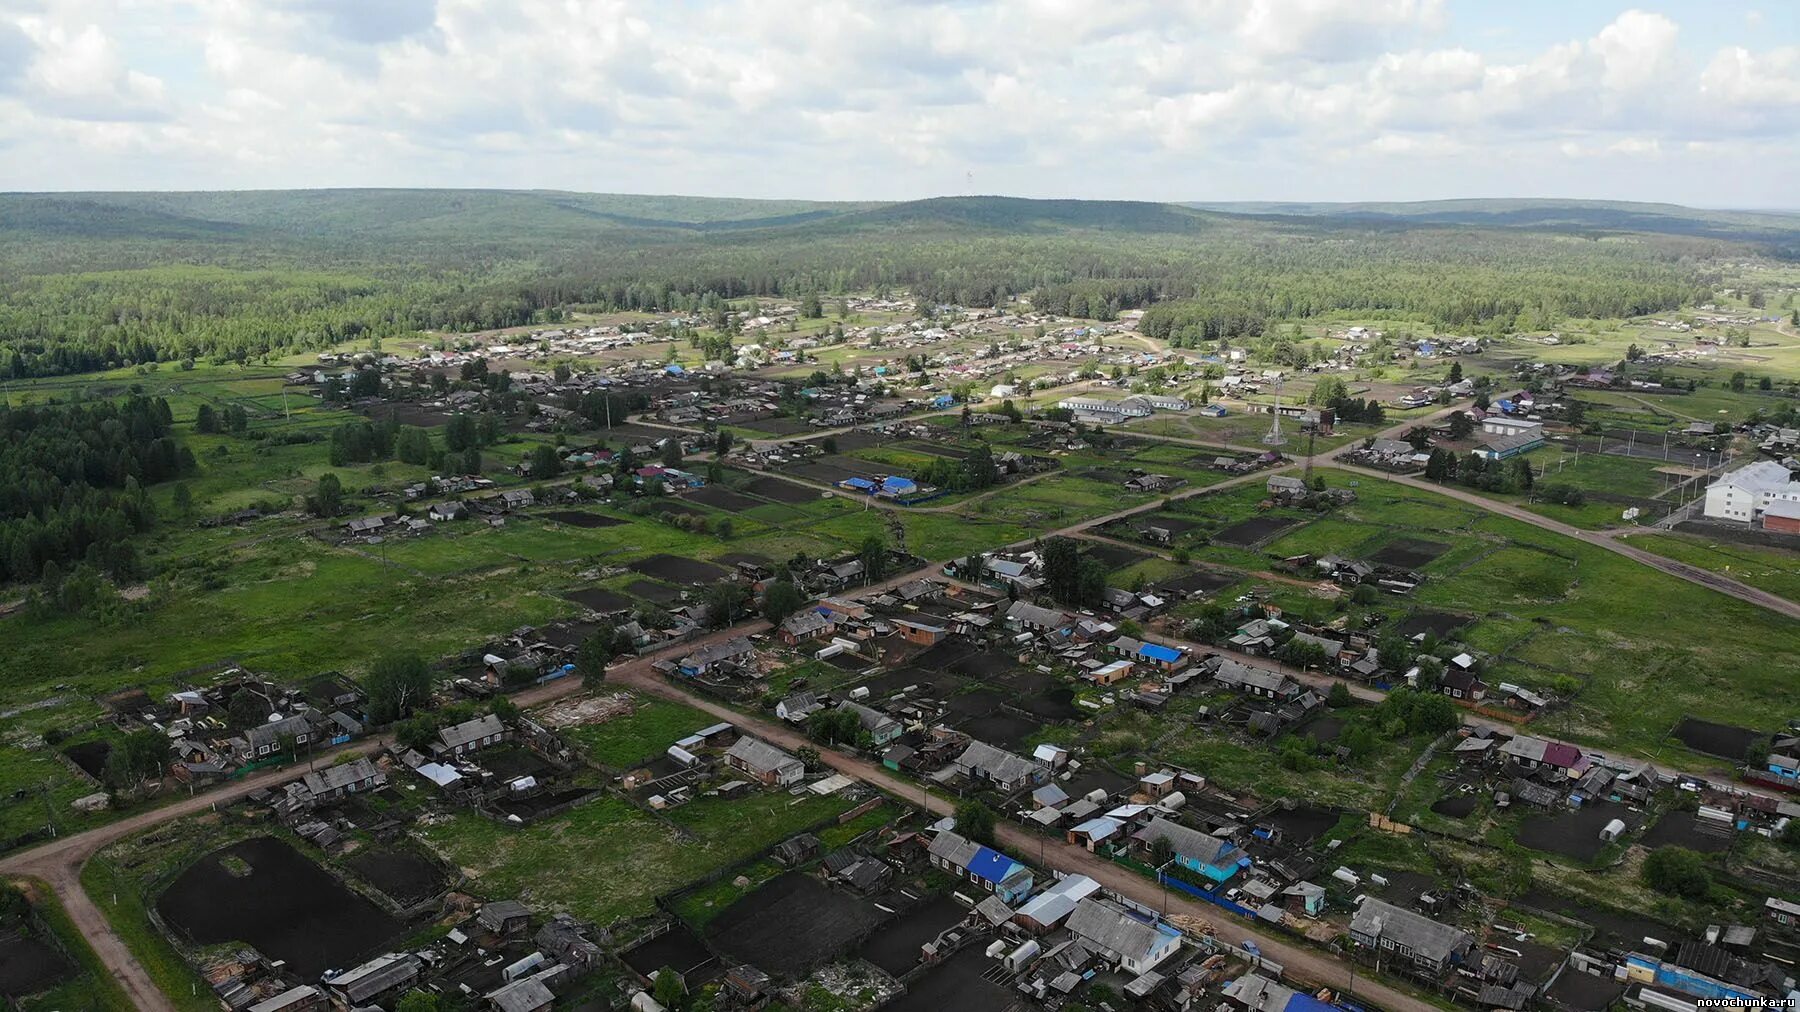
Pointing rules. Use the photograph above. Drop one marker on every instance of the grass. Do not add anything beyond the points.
(651, 727)
(1776, 570)
(606, 859)
(116, 880)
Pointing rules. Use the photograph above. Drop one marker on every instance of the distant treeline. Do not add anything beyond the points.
(1227, 279)
(73, 480)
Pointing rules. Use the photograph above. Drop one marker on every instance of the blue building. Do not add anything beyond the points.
(1202, 854)
(992, 870)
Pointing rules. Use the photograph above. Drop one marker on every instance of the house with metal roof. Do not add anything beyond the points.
(1200, 853)
(471, 735)
(992, 870)
(1048, 909)
(769, 765)
(881, 727)
(1395, 933)
(1135, 943)
(381, 976)
(1004, 770)
(1032, 618)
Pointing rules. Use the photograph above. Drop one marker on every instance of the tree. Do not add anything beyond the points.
(419, 1001)
(247, 708)
(139, 757)
(975, 821)
(1456, 374)
(327, 499)
(671, 452)
(1162, 851)
(184, 500)
(874, 557)
(723, 601)
(398, 684)
(596, 651)
(1677, 871)
(722, 443)
(833, 726)
(1338, 696)
(1461, 425)
(544, 462)
(206, 419)
(670, 991)
(781, 600)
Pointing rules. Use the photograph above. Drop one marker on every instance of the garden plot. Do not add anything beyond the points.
(1614, 928)
(1438, 623)
(1252, 532)
(91, 756)
(1204, 581)
(964, 981)
(1303, 824)
(1001, 728)
(266, 893)
(1408, 553)
(1456, 806)
(1115, 556)
(680, 949)
(600, 599)
(583, 519)
(792, 924)
(1684, 829)
(781, 491)
(1574, 833)
(895, 949)
(669, 507)
(401, 875)
(675, 569)
(29, 966)
(1726, 741)
(719, 497)
(655, 593)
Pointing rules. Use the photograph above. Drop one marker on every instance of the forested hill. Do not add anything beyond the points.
(95, 280)
(1587, 216)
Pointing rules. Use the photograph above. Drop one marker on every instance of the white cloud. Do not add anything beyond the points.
(878, 98)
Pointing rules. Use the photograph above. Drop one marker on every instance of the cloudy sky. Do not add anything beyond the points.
(1696, 102)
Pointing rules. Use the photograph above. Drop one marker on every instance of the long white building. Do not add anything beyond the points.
(1745, 493)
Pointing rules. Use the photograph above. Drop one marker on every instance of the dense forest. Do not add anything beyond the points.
(102, 280)
(72, 485)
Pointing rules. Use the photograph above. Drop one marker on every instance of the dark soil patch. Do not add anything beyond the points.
(960, 982)
(1726, 741)
(985, 665)
(287, 907)
(792, 924)
(409, 414)
(567, 634)
(1002, 728)
(1102, 474)
(1053, 704)
(1093, 778)
(129, 701)
(1682, 829)
(1457, 806)
(979, 703)
(1116, 556)
(406, 877)
(675, 569)
(943, 655)
(1404, 887)
(1205, 581)
(929, 683)
(1304, 824)
(577, 518)
(1615, 929)
(536, 805)
(29, 966)
(781, 425)
(1573, 833)
(1408, 553)
(655, 593)
(857, 439)
(1176, 526)
(1584, 992)
(91, 756)
(724, 498)
(781, 491)
(600, 599)
(678, 948)
(747, 558)
(507, 763)
(896, 949)
(1324, 729)
(1254, 531)
(1437, 623)
(825, 473)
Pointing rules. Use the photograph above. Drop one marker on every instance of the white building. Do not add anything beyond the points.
(1743, 494)
(1500, 425)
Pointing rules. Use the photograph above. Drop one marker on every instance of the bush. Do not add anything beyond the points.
(1677, 871)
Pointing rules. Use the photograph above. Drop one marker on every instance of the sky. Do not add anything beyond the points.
(1694, 102)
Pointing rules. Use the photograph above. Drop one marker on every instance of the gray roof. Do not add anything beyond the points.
(1189, 843)
(717, 652)
(996, 763)
(1233, 673)
(1108, 928)
(272, 732)
(457, 735)
(760, 756)
(494, 916)
(871, 719)
(805, 623)
(1026, 613)
(526, 995)
(1424, 936)
(333, 778)
(378, 975)
(954, 849)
